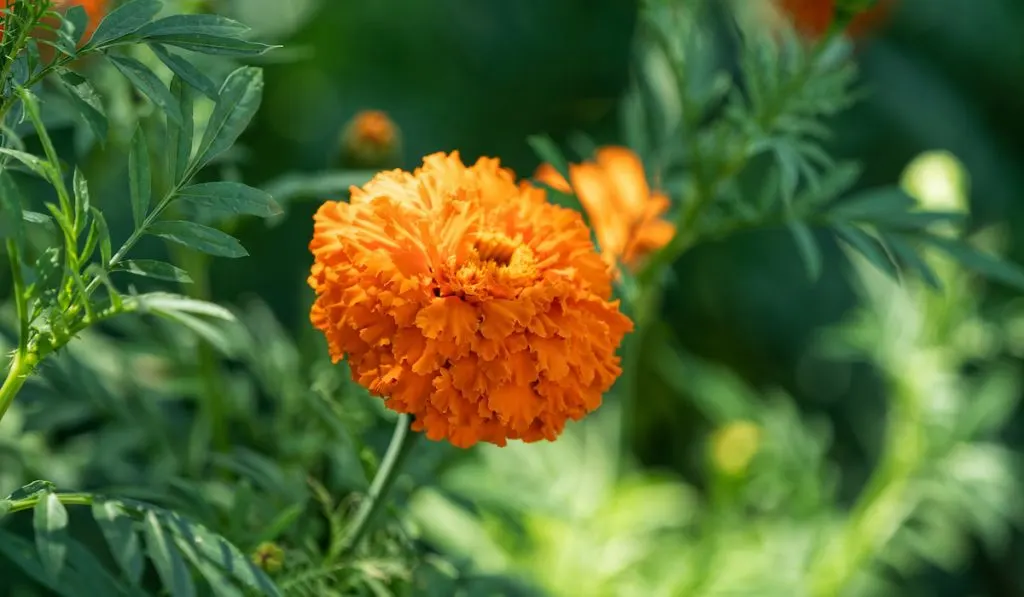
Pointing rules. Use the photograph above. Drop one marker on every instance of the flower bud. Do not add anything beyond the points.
(269, 557)
(370, 140)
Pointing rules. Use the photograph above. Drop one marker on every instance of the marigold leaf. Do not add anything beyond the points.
(871, 204)
(213, 44)
(983, 263)
(21, 553)
(103, 234)
(232, 198)
(869, 247)
(118, 530)
(240, 98)
(548, 152)
(910, 259)
(50, 521)
(85, 102)
(159, 270)
(82, 203)
(31, 490)
(165, 557)
(201, 238)
(163, 301)
(140, 178)
(35, 164)
(148, 84)
(810, 253)
(180, 136)
(186, 71)
(11, 215)
(72, 27)
(194, 24)
(124, 21)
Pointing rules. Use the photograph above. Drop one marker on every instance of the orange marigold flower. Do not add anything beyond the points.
(466, 300)
(370, 139)
(625, 214)
(814, 17)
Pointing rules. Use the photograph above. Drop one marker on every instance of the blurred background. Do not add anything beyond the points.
(763, 410)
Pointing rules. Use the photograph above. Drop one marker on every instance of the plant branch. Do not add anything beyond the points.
(68, 499)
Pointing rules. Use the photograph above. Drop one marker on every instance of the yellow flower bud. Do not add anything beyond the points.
(269, 557)
(734, 446)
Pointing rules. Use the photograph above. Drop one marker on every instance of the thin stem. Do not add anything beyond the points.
(402, 442)
(68, 499)
(23, 361)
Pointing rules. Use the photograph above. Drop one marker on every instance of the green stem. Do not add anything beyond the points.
(68, 499)
(402, 442)
(23, 361)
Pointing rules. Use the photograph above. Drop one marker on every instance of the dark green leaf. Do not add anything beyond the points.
(33, 163)
(982, 263)
(122, 540)
(90, 577)
(232, 198)
(810, 253)
(194, 24)
(909, 258)
(11, 214)
(218, 581)
(240, 98)
(50, 273)
(72, 27)
(165, 557)
(201, 238)
(31, 490)
(82, 203)
(868, 205)
(316, 184)
(154, 269)
(103, 234)
(917, 220)
(548, 152)
(180, 137)
(50, 522)
(149, 84)
(212, 44)
(869, 247)
(84, 100)
(140, 178)
(20, 552)
(125, 20)
(188, 73)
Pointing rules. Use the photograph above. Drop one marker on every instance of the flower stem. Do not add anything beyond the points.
(23, 361)
(402, 442)
(68, 499)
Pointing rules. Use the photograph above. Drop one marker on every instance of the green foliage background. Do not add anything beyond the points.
(250, 432)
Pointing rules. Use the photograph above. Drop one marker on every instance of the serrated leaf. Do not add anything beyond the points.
(166, 559)
(201, 238)
(82, 203)
(31, 490)
(186, 71)
(909, 258)
(159, 270)
(140, 179)
(810, 253)
(548, 152)
(11, 213)
(49, 522)
(125, 20)
(33, 163)
(84, 100)
(982, 263)
(180, 136)
(149, 84)
(122, 540)
(867, 246)
(163, 301)
(232, 198)
(194, 24)
(240, 98)
(212, 44)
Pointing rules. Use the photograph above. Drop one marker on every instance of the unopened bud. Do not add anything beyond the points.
(269, 557)
(370, 140)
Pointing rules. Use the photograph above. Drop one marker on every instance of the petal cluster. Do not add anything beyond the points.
(625, 214)
(467, 300)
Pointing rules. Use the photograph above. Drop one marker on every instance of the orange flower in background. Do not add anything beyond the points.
(466, 300)
(95, 10)
(625, 214)
(370, 140)
(814, 17)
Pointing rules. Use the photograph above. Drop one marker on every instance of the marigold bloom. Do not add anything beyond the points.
(814, 17)
(466, 300)
(625, 214)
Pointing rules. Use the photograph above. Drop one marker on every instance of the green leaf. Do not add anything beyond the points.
(212, 334)
(163, 301)
(140, 179)
(240, 98)
(188, 73)
(217, 580)
(194, 24)
(149, 84)
(810, 253)
(982, 263)
(50, 521)
(869, 247)
(232, 198)
(35, 164)
(31, 490)
(212, 44)
(72, 26)
(20, 553)
(103, 233)
(84, 100)
(874, 203)
(122, 540)
(125, 20)
(159, 270)
(909, 258)
(317, 184)
(11, 214)
(165, 557)
(82, 203)
(180, 136)
(201, 238)
(548, 152)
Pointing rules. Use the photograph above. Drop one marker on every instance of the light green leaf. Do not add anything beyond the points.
(149, 84)
(810, 253)
(122, 540)
(188, 73)
(240, 98)
(103, 234)
(987, 265)
(165, 557)
(31, 490)
(232, 198)
(140, 178)
(163, 301)
(909, 258)
(201, 238)
(50, 521)
(869, 247)
(35, 164)
(124, 20)
(82, 203)
(159, 270)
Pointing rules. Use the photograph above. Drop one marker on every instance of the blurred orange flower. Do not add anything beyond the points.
(95, 10)
(814, 17)
(625, 214)
(467, 300)
(370, 140)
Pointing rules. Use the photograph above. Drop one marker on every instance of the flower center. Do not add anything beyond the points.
(495, 247)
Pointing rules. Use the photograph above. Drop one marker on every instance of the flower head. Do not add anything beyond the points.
(370, 139)
(814, 17)
(466, 300)
(625, 214)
